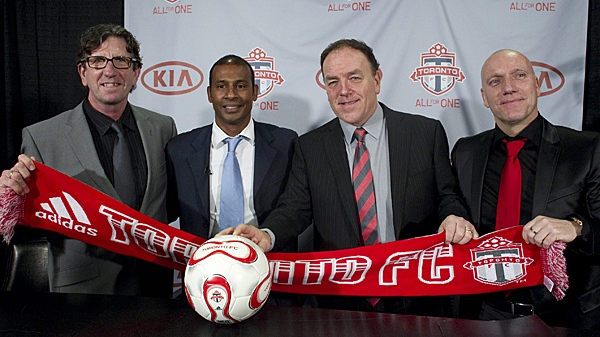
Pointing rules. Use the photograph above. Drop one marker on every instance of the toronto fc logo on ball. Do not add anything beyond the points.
(498, 261)
(265, 75)
(438, 71)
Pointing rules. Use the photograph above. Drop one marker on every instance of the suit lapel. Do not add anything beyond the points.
(399, 144)
(335, 151)
(147, 133)
(80, 139)
(546, 167)
(478, 161)
(264, 154)
(199, 162)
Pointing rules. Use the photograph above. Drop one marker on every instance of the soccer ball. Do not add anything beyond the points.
(227, 279)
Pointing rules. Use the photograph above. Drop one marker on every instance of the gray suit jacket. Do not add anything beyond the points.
(65, 143)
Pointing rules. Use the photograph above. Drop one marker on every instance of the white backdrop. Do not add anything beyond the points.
(413, 40)
(181, 39)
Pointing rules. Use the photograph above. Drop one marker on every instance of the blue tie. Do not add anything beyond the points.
(232, 190)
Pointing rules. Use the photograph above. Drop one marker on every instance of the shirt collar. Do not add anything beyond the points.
(374, 126)
(102, 122)
(218, 135)
(533, 132)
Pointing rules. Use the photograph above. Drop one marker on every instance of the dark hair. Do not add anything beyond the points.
(92, 38)
(231, 60)
(354, 44)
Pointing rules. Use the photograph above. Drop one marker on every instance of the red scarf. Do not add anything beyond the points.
(498, 261)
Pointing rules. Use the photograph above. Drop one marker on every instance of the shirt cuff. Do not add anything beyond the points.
(272, 236)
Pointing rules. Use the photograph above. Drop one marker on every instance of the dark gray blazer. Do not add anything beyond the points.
(320, 192)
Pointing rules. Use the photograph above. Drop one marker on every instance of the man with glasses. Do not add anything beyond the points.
(113, 146)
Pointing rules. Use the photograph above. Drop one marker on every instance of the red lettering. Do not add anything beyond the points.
(158, 77)
(185, 76)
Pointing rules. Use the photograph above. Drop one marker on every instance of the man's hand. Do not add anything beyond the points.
(458, 230)
(544, 231)
(260, 237)
(16, 178)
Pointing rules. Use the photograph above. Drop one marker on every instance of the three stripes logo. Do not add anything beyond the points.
(67, 212)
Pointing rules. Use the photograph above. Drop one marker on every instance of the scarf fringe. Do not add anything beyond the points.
(11, 212)
(554, 266)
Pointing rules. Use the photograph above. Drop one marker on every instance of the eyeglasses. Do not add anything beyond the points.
(100, 62)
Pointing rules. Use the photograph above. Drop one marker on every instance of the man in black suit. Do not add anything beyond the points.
(560, 194)
(410, 169)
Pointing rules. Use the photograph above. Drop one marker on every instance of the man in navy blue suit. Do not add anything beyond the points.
(195, 159)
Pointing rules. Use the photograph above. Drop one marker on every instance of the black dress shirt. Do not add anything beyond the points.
(104, 141)
(528, 158)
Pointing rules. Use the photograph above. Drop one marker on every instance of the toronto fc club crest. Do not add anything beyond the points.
(265, 75)
(438, 72)
(498, 261)
(216, 296)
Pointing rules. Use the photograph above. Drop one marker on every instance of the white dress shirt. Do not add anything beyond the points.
(245, 156)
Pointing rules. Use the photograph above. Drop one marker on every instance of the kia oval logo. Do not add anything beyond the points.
(550, 79)
(172, 78)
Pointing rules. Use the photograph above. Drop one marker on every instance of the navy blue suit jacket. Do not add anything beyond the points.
(188, 156)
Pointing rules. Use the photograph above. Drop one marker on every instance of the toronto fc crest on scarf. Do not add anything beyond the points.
(498, 261)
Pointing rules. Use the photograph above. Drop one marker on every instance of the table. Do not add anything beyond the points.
(53, 314)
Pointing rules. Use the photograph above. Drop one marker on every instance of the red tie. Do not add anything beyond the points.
(364, 192)
(508, 212)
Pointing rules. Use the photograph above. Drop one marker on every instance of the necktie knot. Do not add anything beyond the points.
(232, 143)
(359, 134)
(117, 127)
(513, 147)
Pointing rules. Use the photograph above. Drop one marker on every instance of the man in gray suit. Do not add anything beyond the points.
(81, 143)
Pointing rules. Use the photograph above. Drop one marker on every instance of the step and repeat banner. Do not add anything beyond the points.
(430, 51)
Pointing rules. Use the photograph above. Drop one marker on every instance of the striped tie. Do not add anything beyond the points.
(364, 192)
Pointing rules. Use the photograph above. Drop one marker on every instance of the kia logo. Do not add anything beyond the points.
(550, 79)
(172, 78)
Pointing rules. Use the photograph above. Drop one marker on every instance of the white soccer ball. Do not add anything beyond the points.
(227, 279)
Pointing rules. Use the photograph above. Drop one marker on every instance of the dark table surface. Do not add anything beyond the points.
(45, 314)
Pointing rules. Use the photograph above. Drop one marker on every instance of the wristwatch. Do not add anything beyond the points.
(579, 226)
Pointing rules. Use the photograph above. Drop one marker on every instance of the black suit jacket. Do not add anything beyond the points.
(320, 189)
(567, 183)
(188, 163)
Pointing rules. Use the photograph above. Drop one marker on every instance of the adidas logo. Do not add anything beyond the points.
(70, 215)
